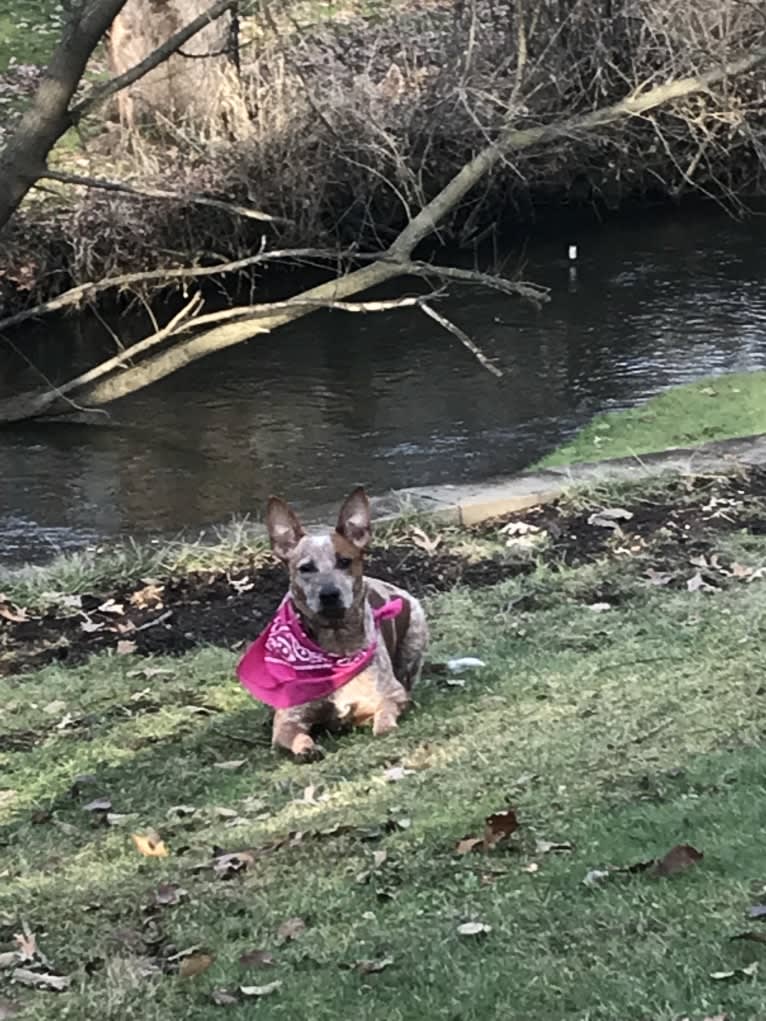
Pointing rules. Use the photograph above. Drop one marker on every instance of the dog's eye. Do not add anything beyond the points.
(308, 568)
(343, 563)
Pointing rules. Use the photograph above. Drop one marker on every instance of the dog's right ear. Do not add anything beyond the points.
(285, 530)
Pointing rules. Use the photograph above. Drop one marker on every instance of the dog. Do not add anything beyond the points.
(343, 648)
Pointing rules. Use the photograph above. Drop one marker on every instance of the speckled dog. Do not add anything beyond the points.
(334, 615)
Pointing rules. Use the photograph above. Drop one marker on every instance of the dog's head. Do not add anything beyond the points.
(325, 570)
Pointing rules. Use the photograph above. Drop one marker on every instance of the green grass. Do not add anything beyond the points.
(29, 29)
(624, 732)
(718, 408)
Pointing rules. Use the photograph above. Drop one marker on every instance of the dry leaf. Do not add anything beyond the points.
(225, 866)
(550, 846)
(148, 597)
(379, 858)
(98, 805)
(750, 971)
(266, 990)
(256, 959)
(90, 626)
(424, 541)
(150, 844)
(195, 964)
(223, 998)
(14, 614)
(468, 844)
(396, 773)
(40, 980)
(499, 826)
(596, 876)
(658, 578)
(231, 764)
(698, 584)
(474, 929)
(168, 894)
(678, 859)
(110, 606)
(148, 672)
(609, 518)
(367, 967)
(290, 929)
(125, 648)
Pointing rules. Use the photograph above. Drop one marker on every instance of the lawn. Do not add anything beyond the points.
(718, 408)
(620, 712)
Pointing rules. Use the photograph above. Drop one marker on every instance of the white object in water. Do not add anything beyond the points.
(572, 253)
(464, 663)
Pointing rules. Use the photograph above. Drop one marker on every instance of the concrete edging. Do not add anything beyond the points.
(471, 503)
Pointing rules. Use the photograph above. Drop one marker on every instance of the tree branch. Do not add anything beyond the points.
(464, 339)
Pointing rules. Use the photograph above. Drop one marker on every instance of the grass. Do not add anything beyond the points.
(29, 29)
(718, 408)
(624, 732)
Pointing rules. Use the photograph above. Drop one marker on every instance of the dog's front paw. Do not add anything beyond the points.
(305, 749)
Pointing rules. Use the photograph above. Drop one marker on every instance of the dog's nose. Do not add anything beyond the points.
(329, 596)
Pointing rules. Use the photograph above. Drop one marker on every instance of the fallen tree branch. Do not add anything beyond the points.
(159, 193)
(518, 288)
(464, 339)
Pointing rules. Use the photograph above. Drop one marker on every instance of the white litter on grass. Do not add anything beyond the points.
(464, 663)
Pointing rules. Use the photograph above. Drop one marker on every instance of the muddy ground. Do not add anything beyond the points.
(666, 537)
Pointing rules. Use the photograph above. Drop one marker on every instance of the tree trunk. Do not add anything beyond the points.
(23, 159)
(198, 85)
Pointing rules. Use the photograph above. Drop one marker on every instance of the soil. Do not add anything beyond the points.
(229, 608)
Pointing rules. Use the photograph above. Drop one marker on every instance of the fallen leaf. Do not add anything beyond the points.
(290, 929)
(256, 959)
(499, 826)
(750, 971)
(474, 929)
(27, 945)
(531, 868)
(241, 585)
(596, 877)
(698, 584)
(678, 859)
(149, 671)
(609, 518)
(8, 1009)
(469, 844)
(367, 967)
(176, 812)
(14, 614)
(40, 980)
(168, 894)
(148, 597)
(150, 844)
(424, 541)
(121, 819)
(125, 648)
(752, 937)
(225, 813)
(757, 911)
(195, 964)
(550, 846)
(98, 805)
(223, 998)
(658, 578)
(225, 866)
(231, 764)
(312, 795)
(111, 606)
(514, 528)
(379, 858)
(266, 990)
(396, 773)
(90, 626)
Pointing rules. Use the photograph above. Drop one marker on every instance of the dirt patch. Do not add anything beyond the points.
(223, 608)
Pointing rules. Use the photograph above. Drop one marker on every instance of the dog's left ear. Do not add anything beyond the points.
(354, 519)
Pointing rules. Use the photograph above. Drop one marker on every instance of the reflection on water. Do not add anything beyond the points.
(388, 400)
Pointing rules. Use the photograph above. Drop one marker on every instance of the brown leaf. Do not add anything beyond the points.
(14, 614)
(195, 964)
(125, 648)
(8, 1009)
(40, 980)
(168, 894)
(256, 959)
(27, 945)
(266, 990)
(227, 865)
(468, 844)
(150, 844)
(499, 826)
(148, 597)
(367, 967)
(291, 929)
(678, 859)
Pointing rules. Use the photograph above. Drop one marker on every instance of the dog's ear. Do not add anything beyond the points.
(285, 530)
(354, 519)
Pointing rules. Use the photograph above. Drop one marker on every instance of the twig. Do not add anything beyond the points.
(160, 193)
(464, 339)
(521, 288)
(157, 620)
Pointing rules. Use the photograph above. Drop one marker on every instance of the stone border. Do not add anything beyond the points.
(471, 503)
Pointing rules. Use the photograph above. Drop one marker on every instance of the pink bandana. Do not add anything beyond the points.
(284, 667)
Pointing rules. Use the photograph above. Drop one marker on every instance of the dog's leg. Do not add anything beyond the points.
(292, 734)
(385, 719)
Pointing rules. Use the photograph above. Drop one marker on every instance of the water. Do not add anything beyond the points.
(387, 400)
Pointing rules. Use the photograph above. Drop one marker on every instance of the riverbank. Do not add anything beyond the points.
(618, 714)
(358, 118)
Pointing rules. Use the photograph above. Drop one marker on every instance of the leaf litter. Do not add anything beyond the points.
(678, 859)
(498, 828)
